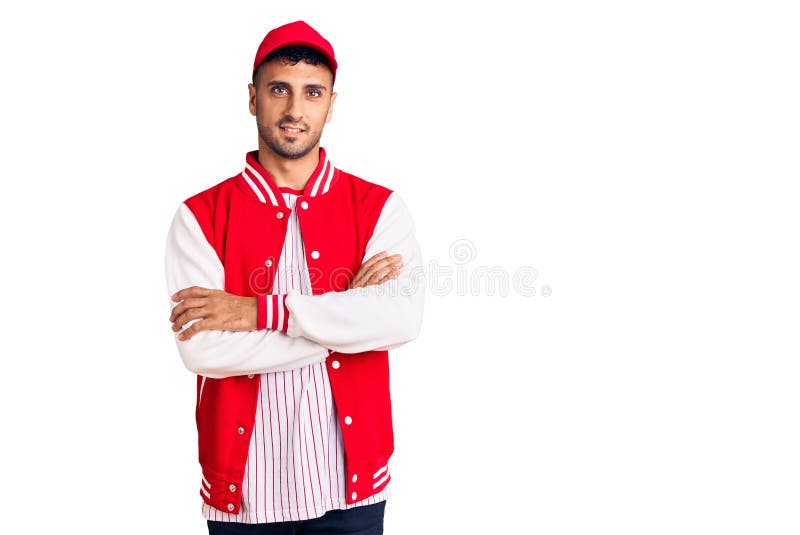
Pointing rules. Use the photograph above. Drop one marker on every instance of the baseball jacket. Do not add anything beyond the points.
(230, 237)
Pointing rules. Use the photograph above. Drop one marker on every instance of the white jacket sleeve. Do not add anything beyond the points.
(192, 261)
(375, 317)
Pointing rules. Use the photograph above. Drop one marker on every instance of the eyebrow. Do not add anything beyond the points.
(307, 86)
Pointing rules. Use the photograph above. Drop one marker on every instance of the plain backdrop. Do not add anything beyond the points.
(629, 169)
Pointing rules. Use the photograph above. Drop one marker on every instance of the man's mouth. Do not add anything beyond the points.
(291, 130)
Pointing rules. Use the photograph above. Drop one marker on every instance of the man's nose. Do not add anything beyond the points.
(294, 108)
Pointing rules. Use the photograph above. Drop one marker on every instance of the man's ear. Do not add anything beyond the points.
(252, 89)
(330, 108)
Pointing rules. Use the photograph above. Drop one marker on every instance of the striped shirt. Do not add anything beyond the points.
(295, 464)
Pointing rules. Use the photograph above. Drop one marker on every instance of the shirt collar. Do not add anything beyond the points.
(258, 181)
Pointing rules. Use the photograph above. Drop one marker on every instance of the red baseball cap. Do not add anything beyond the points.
(295, 33)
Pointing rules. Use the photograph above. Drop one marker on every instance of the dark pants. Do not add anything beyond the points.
(361, 520)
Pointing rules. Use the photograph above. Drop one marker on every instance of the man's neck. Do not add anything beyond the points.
(285, 172)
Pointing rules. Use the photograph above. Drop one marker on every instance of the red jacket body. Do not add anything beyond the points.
(243, 219)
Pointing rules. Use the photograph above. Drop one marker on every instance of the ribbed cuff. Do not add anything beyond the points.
(261, 312)
(272, 312)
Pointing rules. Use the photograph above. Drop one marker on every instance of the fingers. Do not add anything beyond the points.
(192, 291)
(390, 274)
(365, 267)
(187, 305)
(194, 329)
(377, 270)
(193, 298)
(374, 258)
(189, 315)
(381, 273)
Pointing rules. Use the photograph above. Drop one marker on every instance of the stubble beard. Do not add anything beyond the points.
(291, 149)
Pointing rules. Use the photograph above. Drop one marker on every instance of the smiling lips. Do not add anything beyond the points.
(291, 130)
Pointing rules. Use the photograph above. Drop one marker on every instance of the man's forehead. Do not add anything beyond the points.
(300, 73)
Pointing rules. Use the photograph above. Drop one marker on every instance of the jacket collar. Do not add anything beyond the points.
(258, 182)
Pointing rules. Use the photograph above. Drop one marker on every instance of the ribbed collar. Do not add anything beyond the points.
(257, 180)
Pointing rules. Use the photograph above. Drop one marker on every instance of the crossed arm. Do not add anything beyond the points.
(217, 309)
(381, 309)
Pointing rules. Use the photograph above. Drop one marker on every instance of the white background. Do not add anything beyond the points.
(641, 156)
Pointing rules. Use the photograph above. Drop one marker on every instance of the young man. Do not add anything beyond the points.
(289, 283)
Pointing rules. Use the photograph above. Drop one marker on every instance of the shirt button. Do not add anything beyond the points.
(354, 495)
(314, 254)
(279, 215)
(335, 364)
(250, 376)
(304, 205)
(232, 488)
(268, 263)
(230, 507)
(240, 430)
(355, 478)
(347, 420)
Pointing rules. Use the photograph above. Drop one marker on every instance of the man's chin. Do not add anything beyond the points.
(292, 152)
(292, 149)
(289, 148)
(286, 146)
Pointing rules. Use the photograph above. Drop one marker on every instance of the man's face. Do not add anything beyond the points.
(291, 104)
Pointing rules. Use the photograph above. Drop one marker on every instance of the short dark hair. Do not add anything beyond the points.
(293, 54)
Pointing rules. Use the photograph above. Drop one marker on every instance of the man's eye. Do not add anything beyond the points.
(315, 93)
(279, 90)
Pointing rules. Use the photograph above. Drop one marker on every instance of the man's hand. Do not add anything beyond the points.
(217, 310)
(378, 269)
